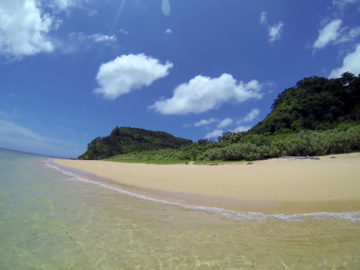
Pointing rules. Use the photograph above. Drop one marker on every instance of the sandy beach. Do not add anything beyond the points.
(271, 186)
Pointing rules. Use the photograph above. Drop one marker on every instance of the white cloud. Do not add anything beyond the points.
(241, 129)
(343, 3)
(129, 72)
(81, 41)
(251, 116)
(168, 31)
(203, 93)
(123, 31)
(214, 134)
(226, 122)
(275, 31)
(205, 122)
(327, 34)
(63, 4)
(351, 63)
(17, 137)
(10, 128)
(99, 38)
(351, 35)
(24, 28)
(263, 17)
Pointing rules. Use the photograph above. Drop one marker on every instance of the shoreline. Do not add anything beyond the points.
(286, 186)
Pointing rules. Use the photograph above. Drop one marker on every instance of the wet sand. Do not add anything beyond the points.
(331, 184)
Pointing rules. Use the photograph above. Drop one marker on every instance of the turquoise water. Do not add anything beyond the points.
(53, 219)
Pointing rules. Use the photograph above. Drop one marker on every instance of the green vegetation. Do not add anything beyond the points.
(121, 158)
(315, 104)
(343, 139)
(124, 140)
(164, 156)
(317, 117)
(180, 155)
(214, 162)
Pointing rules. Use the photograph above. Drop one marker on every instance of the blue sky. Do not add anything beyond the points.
(72, 70)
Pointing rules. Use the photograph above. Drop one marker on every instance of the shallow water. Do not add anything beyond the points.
(52, 220)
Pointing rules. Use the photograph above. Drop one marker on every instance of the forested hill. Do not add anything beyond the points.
(318, 116)
(124, 140)
(314, 104)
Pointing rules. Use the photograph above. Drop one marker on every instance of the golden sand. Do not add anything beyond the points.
(276, 185)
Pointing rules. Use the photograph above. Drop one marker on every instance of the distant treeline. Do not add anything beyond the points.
(343, 139)
(317, 117)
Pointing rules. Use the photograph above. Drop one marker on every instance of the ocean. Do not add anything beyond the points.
(54, 218)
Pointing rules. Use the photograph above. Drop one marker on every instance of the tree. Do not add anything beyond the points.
(347, 78)
(203, 142)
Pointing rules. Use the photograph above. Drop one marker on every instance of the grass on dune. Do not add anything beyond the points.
(120, 158)
(146, 161)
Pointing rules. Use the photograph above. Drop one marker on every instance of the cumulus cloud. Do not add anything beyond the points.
(203, 93)
(251, 116)
(351, 63)
(214, 134)
(327, 34)
(26, 25)
(168, 31)
(24, 29)
(205, 122)
(226, 122)
(241, 129)
(275, 31)
(263, 17)
(129, 72)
